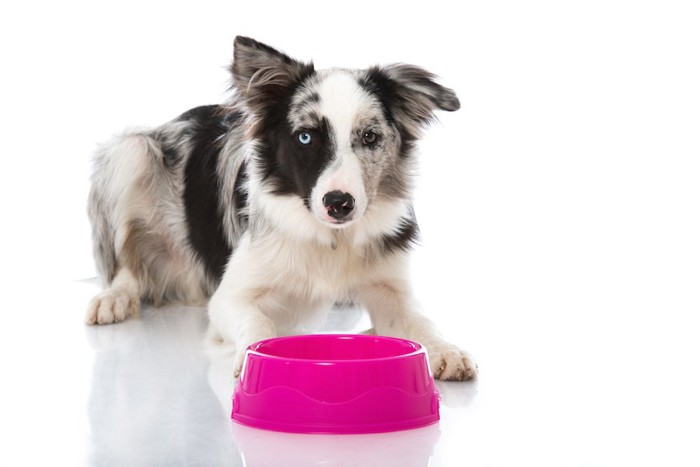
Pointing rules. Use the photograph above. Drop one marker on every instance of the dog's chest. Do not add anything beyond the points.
(318, 271)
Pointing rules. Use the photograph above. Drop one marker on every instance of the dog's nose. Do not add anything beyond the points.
(338, 204)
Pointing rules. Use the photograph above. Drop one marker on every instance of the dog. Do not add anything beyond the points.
(292, 197)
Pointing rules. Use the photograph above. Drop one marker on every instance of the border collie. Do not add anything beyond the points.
(292, 197)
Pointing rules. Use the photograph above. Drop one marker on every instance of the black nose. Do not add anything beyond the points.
(338, 204)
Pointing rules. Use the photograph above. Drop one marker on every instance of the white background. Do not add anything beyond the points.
(560, 207)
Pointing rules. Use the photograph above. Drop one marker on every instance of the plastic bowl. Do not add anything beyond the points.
(336, 383)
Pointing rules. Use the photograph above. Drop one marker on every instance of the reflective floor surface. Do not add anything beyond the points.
(145, 392)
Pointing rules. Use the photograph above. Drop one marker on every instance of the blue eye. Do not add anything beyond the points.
(304, 138)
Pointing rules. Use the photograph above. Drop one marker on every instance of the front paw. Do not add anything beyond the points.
(264, 332)
(450, 363)
(238, 361)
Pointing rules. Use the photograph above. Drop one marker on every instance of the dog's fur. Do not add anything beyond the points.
(292, 197)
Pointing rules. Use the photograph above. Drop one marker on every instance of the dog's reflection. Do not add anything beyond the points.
(150, 403)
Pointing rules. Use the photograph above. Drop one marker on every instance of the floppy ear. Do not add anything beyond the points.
(411, 95)
(262, 74)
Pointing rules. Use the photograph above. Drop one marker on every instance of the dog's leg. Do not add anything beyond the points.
(393, 313)
(236, 318)
(118, 206)
(118, 302)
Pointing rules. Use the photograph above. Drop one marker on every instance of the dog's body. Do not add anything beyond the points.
(293, 197)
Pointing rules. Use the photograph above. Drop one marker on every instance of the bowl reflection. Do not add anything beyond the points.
(408, 448)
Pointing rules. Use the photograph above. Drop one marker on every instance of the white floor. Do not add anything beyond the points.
(592, 390)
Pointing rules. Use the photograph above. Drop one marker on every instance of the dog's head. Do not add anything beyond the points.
(339, 141)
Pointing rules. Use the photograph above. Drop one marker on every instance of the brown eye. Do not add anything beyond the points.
(369, 138)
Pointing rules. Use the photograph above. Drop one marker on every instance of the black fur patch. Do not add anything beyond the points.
(403, 239)
(289, 166)
(240, 196)
(377, 83)
(203, 187)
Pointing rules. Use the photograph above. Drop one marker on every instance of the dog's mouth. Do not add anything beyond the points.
(340, 223)
(337, 223)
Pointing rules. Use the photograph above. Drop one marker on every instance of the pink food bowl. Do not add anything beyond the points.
(336, 383)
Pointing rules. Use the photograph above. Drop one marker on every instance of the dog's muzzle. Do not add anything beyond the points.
(339, 205)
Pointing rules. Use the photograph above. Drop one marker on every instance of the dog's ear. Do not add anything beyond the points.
(262, 74)
(411, 95)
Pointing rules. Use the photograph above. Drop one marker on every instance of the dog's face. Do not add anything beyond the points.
(339, 140)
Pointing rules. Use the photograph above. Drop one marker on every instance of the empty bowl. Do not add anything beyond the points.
(336, 383)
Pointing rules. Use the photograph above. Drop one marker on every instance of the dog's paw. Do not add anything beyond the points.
(111, 306)
(264, 331)
(450, 363)
(238, 361)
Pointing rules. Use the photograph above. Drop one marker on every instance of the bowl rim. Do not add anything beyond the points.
(417, 348)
